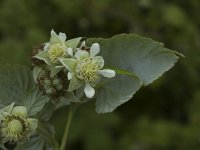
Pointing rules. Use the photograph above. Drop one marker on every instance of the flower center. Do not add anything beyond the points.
(87, 70)
(15, 126)
(13, 129)
(55, 52)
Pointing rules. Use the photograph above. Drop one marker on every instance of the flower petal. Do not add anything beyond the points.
(74, 84)
(69, 75)
(70, 51)
(60, 66)
(62, 37)
(69, 63)
(99, 60)
(94, 50)
(33, 123)
(54, 38)
(107, 73)
(46, 46)
(19, 111)
(83, 44)
(89, 90)
(80, 54)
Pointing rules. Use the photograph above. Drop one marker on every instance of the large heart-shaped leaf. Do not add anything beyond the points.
(17, 85)
(142, 57)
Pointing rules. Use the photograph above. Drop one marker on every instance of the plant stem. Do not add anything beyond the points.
(68, 123)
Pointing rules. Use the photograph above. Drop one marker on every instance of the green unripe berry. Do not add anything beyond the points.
(51, 91)
(47, 82)
(59, 87)
(56, 82)
(47, 87)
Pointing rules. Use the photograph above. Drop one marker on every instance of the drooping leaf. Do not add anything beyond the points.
(143, 57)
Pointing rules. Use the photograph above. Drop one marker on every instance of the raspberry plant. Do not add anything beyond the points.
(67, 73)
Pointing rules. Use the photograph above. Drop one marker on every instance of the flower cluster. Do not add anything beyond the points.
(15, 125)
(82, 65)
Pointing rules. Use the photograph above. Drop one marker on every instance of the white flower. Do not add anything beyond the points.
(55, 49)
(86, 68)
(15, 125)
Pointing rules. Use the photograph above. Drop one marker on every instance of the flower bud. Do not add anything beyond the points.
(59, 87)
(47, 82)
(56, 82)
(51, 91)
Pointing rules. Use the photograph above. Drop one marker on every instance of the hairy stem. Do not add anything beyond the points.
(68, 123)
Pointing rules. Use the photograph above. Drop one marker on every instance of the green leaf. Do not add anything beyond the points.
(114, 92)
(123, 72)
(34, 101)
(17, 85)
(67, 99)
(134, 56)
(48, 132)
(47, 111)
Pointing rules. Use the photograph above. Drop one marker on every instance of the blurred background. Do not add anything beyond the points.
(162, 116)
